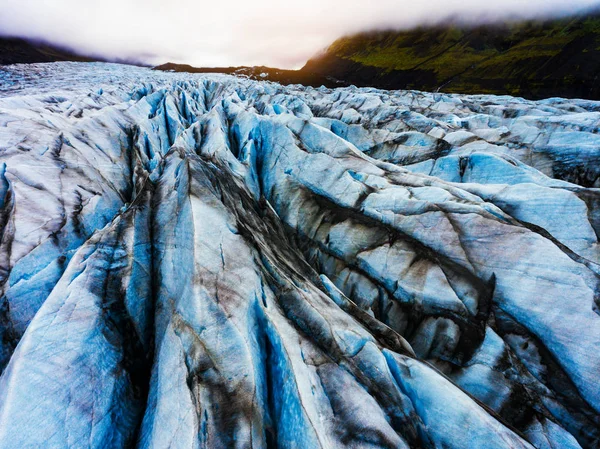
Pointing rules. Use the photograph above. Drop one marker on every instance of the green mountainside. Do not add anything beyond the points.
(531, 59)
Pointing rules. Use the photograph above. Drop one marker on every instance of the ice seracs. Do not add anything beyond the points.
(196, 261)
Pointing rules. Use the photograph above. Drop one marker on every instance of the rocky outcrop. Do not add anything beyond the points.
(207, 261)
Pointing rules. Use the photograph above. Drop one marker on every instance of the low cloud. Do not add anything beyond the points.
(281, 33)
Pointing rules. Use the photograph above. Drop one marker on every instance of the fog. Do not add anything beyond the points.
(282, 33)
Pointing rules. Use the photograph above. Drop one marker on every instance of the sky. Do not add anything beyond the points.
(283, 33)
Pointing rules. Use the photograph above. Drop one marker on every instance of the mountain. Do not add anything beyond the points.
(16, 50)
(208, 261)
(285, 77)
(531, 59)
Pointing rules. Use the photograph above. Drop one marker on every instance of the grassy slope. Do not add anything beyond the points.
(531, 59)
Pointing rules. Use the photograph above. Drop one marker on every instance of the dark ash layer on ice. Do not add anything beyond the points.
(196, 261)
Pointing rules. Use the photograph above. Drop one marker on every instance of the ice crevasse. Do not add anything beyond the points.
(204, 261)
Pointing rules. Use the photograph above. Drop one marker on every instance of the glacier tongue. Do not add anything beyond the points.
(195, 261)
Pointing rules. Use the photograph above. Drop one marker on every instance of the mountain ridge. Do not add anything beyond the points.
(534, 59)
(15, 50)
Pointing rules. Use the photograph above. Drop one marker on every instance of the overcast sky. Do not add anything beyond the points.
(283, 33)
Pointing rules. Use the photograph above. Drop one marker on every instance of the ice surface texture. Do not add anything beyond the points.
(193, 261)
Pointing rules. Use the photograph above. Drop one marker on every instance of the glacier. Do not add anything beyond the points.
(208, 261)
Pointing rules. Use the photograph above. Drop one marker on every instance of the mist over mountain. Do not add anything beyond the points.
(22, 51)
(536, 59)
(235, 33)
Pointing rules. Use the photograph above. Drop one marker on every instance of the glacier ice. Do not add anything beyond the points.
(204, 261)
